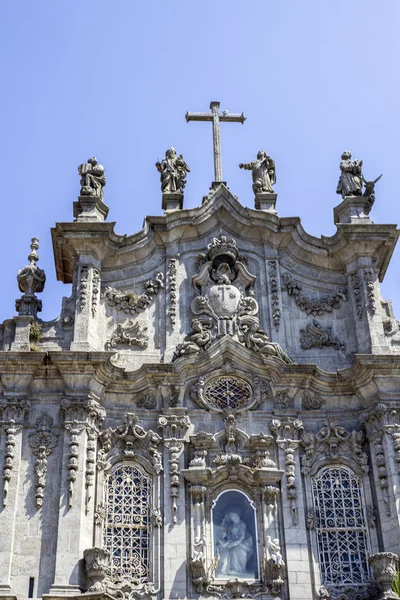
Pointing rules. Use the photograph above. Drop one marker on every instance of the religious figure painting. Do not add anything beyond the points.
(234, 536)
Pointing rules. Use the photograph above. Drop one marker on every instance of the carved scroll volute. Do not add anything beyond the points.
(287, 434)
(82, 414)
(13, 412)
(174, 430)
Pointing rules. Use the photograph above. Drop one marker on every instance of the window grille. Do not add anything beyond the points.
(228, 392)
(127, 527)
(341, 530)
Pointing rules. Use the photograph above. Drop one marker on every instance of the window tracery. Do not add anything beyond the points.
(340, 525)
(126, 534)
(228, 391)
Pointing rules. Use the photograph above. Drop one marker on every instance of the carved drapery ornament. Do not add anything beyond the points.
(128, 334)
(42, 443)
(287, 433)
(313, 306)
(174, 429)
(131, 303)
(316, 336)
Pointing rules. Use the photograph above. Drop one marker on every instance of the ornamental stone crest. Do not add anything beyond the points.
(225, 304)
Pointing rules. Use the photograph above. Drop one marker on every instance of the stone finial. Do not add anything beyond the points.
(31, 280)
(384, 566)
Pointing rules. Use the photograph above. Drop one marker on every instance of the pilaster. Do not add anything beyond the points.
(293, 508)
(87, 302)
(82, 419)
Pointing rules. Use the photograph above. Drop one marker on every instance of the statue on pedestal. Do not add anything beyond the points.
(351, 178)
(173, 170)
(93, 178)
(263, 173)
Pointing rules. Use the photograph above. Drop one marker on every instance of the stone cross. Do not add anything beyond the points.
(216, 117)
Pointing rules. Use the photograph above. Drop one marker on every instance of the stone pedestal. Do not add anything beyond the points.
(265, 201)
(353, 209)
(172, 201)
(90, 209)
(21, 341)
(384, 566)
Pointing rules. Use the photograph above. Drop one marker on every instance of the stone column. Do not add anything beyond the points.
(87, 303)
(174, 427)
(13, 412)
(82, 419)
(293, 507)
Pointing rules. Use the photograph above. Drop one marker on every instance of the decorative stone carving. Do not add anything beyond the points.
(274, 292)
(93, 178)
(384, 566)
(374, 424)
(129, 334)
(222, 306)
(330, 442)
(311, 519)
(12, 414)
(311, 401)
(74, 428)
(42, 443)
(234, 392)
(83, 286)
(283, 400)
(172, 288)
(316, 336)
(82, 413)
(173, 170)
(31, 280)
(131, 303)
(313, 306)
(369, 283)
(129, 439)
(263, 172)
(157, 518)
(96, 568)
(371, 516)
(356, 287)
(174, 430)
(146, 399)
(95, 290)
(11, 429)
(287, 433)
(350, 181)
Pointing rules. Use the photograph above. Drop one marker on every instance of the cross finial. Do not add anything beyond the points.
(216, 117)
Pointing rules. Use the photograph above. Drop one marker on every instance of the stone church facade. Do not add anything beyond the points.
(155, 443)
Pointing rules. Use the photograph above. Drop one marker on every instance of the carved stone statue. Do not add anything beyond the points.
(173, 170)
(351, 178)
(234, 545)
(93, 178)
(263, 172)
(196, 340)
(275, 551)
(254, 338)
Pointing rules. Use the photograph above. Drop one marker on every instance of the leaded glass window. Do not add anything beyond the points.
(341, 530)
(228, 392)
(127, 526)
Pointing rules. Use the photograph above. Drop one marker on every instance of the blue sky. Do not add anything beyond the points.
(115, 78)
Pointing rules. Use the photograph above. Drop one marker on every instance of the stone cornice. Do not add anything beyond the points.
(160, 232)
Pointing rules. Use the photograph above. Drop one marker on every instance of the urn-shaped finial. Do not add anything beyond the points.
(384, 566)
(31, 280)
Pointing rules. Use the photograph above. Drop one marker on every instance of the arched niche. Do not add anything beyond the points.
(234, 536)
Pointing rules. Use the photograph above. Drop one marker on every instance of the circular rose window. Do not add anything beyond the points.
(228, 392)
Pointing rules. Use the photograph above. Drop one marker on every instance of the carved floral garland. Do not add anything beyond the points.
(314, 306)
